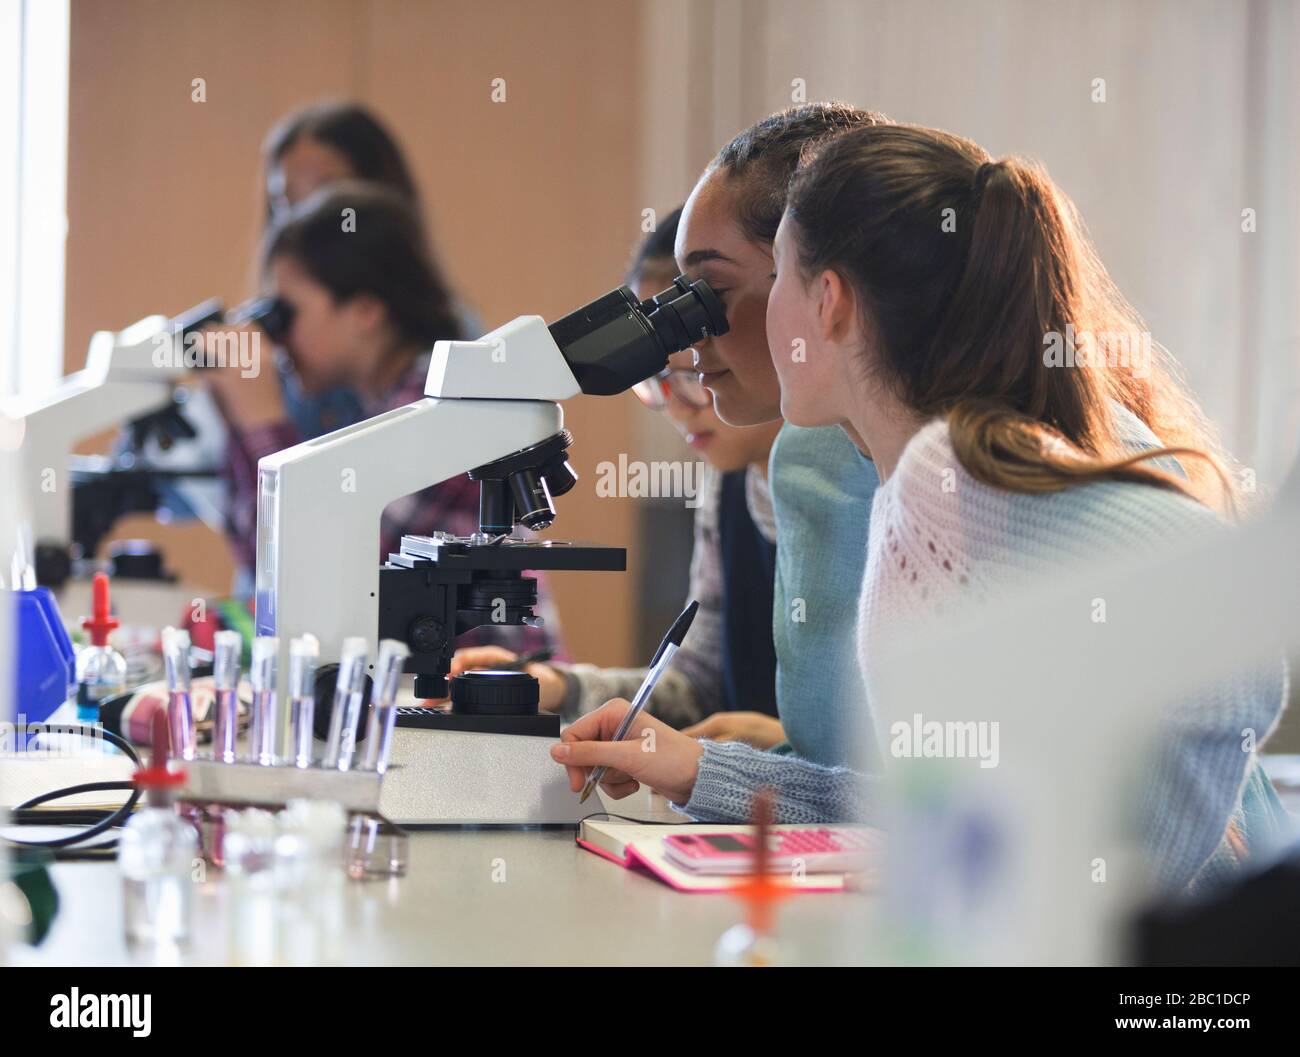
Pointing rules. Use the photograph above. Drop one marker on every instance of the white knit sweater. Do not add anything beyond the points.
(941, 539)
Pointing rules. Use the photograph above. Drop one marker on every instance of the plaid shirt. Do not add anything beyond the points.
(451, 506)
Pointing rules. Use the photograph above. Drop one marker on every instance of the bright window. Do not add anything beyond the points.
(33, 191)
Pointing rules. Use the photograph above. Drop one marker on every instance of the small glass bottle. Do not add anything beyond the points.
(742, 946)
(101, 670)
(249, 848)
(156, 855)
(310, 883)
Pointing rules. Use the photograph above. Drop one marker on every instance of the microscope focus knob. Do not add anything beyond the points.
(492, 693)
(426, 635)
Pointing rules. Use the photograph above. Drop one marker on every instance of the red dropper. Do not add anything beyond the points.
(158, 779)
(761, 891)
(103, 621)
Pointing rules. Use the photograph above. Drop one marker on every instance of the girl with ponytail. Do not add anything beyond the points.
(974, 276)
(933, 291)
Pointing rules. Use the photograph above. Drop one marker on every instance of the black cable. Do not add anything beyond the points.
(621, 818)
(24, 815)
(105, 852)
(59, 816)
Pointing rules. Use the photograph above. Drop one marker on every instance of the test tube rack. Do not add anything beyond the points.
(375, 847)
(210, 781)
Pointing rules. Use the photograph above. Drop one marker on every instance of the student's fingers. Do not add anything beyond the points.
(705, 728)
(610, 781)
(584, 755)
(618, 790)
(578, 776)
(595, 729)
(581, 757)
(551, 686)
(472, 657)
(600, 725)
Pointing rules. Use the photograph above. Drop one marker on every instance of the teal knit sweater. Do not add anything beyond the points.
(821, 692)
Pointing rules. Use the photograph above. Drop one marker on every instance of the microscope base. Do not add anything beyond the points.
(437, 777)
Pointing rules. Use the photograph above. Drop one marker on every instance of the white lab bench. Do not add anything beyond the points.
(557, 905)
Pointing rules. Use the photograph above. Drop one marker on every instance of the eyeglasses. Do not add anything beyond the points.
(682, 383)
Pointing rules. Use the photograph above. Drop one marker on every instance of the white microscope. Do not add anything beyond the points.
(130, 379)
(491, 411)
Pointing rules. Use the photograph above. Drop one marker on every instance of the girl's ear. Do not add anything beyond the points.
(835, 306)
(368, 311)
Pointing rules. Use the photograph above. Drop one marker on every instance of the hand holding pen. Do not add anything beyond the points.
(623, 747)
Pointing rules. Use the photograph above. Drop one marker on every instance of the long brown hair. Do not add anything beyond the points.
(354, 132)
(969, 272)
(384, 254)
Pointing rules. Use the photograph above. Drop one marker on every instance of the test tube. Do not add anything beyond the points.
(225, 673)
(349, 691)
(262, 740)
(303, 653)
(383, 704)
(180, 717)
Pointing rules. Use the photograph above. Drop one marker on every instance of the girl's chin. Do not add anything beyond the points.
(737, 408)
(810, 420)
(315, 384)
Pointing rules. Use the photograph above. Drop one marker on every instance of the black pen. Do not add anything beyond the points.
(658, 665)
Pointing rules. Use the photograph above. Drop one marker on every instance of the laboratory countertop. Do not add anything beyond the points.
(472, 897)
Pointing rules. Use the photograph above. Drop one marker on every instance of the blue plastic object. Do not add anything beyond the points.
(45, 669)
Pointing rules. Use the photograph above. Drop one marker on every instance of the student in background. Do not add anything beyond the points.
(310, 149)
(928, 350)
(368, 304)
(328, 142)
(321, 144)
(722, 682)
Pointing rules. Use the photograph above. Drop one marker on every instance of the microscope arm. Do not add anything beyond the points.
(124, 378)
(319, 503)
(51, 430)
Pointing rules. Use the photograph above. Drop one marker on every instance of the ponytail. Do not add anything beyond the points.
(992, 309)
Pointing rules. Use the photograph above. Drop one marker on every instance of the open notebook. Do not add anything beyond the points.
(29, 774)
(639, 846)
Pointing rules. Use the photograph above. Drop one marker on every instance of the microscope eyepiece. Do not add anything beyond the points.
(610, 345)
(685, 312)
(273, 314)
(616, 340)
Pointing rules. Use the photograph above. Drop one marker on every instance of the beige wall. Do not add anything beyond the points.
(534, 201)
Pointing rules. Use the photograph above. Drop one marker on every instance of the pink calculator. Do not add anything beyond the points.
(837, 849)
